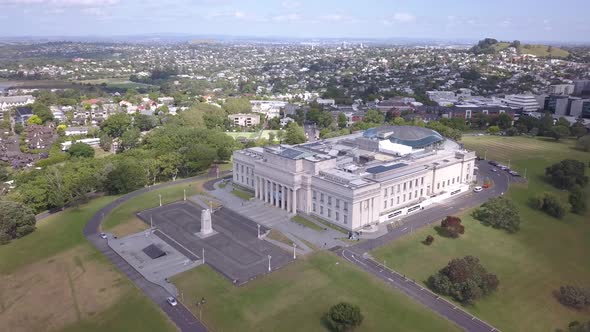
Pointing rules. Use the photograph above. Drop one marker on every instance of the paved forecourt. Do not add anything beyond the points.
(235, 250)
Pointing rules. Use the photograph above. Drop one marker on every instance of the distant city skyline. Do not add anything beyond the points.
(443, 19)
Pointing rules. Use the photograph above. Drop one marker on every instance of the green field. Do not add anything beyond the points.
(537, 50)
(545, 254)
(54, 280)
(245, 134)
(295, 298)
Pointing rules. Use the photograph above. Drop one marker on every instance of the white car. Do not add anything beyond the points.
(477, 189)
(172, 301)
(103, 236)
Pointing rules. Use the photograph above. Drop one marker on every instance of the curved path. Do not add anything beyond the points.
(359, 254)
(179, 314)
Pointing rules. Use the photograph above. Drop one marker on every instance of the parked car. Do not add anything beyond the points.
(514, 173)
(172, 301)
(103, 236)
(494, 170)
(485, 186)
(477, 189)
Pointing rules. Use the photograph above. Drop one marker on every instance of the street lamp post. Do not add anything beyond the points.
(269, 257)
(258, 231)
(200, 304)
(294, 251)
(203, 255)
(184, 190)
(160, 195)
(485, 155)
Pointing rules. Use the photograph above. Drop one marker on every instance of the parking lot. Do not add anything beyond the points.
(235, 251)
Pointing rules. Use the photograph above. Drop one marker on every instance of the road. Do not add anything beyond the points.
(358, 254)
(180, 315)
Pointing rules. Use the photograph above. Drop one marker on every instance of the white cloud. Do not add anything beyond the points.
(291, 4)
(62, 3)
(400, 18)
(287, 18)
(228, 14)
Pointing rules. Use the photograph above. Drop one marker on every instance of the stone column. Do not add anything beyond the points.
(256, 192)
(283, 197)
(294, 200)
(288, 201)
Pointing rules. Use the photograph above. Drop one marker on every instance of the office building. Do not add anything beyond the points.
(527, 103)
(245, 120)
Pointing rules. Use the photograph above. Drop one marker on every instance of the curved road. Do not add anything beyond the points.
(179, 314)
(358, 254)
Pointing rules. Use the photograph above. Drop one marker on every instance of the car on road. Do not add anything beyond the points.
(494, 170)
(485, 186)
(513, 173)
(172, 301)
(477, 189)
(103, 236)
(493, 163)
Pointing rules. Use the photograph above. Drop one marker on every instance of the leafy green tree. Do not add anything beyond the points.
(18, 128)
(493, 130)
(116, 124)
(465, 279)
(504, 121)
(106, 142)
(578, 129)
(144, 122)
(81, 150)
(57, 194)
(550, 204)
(374, 116)
(584, 143)
(170, 164)
(574, 296)
(130, 139)
(499, 213)
(577, 200)
(558, 132)
(343, 317)
(16, 221)
(237, 105)
(342, 120)
(61, 129)
(127, 176)
(294, 134)
(42, 111)
(34, 120)
(567, 173)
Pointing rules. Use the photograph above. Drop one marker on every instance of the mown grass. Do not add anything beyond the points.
(296, 297)
(242, 194)
(304, 222)
(545, 254)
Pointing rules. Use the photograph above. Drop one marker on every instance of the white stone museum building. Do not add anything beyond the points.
(358, 180)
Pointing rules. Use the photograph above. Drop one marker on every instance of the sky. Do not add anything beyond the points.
(526, 20)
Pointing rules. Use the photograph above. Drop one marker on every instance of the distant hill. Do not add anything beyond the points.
(492, 46)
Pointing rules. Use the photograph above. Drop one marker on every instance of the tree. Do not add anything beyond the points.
(144, 122)
(81, 150)
(578, 129)
(294, 134)
(573, 296)
(237, 105)
(342, 120)
(61, 129)
(42, 111)
(583, 143)
(126, 177)
(116, 124)
(130, 139)
(577, 200)
(106, 142)
(452, 226)
(429, 239)
(550, 204)
(566, 174)
(558, 132)
(512, 131)
(499, 213)
(493, 130)
(374, 117)
(503, 121)
(34, 120)
(343, 317)
(16, 221)
(170, 164)
(18, 128)
(465, 279)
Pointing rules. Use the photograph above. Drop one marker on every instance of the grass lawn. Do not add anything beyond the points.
(53, 280)
(304, 222)
(265, 133)
(278, 236)
(330, 225)
(245, 134)
(545, 254)
(242, 194)
(122, 220)
(295, 298)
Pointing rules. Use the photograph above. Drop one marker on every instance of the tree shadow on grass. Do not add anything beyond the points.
(443, 232)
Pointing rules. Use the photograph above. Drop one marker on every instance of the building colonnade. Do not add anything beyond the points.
(276, 194)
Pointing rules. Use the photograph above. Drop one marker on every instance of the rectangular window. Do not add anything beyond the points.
(321, 210)
(322, 197)
(344, 218)
(416, 183)
(329, 213)
(313, 207)
(391, 202)
(329, 200)
(422, 182)
(242, 168)
(438, 185)
(444, 184)
(337, 216)
(421, 192)
(458, 179)
(397, 200)
(448, 182)
(315, 194)
(345, 206)
(416, 194)
(398, 189)
(385, 192)
(404, 198)
(242, 179)
(385, 204)
(411, 184)
(453, 180)
(391, 190)
(404, 186)
(337, 203)
(410, 196)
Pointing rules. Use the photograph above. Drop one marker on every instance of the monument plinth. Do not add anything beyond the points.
(206, 227)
